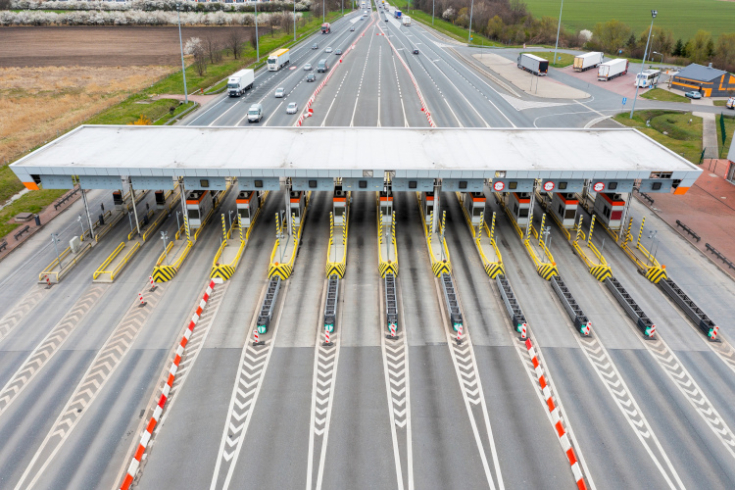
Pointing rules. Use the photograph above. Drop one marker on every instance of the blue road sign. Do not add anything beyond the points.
(625, 99)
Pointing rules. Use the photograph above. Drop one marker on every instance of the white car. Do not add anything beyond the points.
(280, 92)
(307, 67)
(328, 50)
(292, 108)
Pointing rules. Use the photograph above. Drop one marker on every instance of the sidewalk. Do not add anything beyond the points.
(708, 209)
(709, 129)
(46, 215)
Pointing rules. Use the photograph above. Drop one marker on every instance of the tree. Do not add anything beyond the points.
(662, 41)
(495, 28)
(611, 35)
(698, 51)
(710, 49)
(5, 5)
(195, 47)
(234, 41)
(287, 21)
(678, 48)
(142, 121)
(725, 52)
(212, 48)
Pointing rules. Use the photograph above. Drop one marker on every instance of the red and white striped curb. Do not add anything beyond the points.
(146, 437)
(413, 80)
(306, 112)
(556, 420)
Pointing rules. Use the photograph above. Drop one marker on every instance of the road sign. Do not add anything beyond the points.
(598, 187)
(548, 186)
(498, 186)
(625, 99)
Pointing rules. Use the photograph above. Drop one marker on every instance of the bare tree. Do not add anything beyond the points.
(5, 5)
(234, 41)
(213, 49)
(287, 21)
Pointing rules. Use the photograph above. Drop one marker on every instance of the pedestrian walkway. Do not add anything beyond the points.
(708, 209)
(709, 128)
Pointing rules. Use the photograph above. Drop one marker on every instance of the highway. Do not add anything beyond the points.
(82, 366)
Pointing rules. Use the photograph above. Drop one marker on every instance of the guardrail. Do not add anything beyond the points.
(688, 230)
(387, 266)
(719, 255)
(339, 266)
(493, 268)
(285, 270)
(102, 268)
(439, 267)
(646, 197)
(600, 270)
(652, 269)
(65, 198)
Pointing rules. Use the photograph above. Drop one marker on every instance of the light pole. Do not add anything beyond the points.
(55, 241)
(660, 54)
(257, 39)
(469, 37)
(558, 30)
(181, 47)
(654, 13)
(164, 237)
(79, 219)
(323, 13)
(294, 20)
(547, 239)
(652, 235)
(432, 11)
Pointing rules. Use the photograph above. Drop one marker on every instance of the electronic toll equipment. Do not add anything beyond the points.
(198, 206)
(427, 202)
(519, 204)
(330, 305)
(160, 199)
(391, 302)
(564, 206)
(450, 296)
(117, 199)
(297, 202)
(269, 305)
(609, 208)
(339, 205)
(247, 203)
(474, 203)
(386, 207)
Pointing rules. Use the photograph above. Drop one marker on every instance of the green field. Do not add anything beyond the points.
(682, 137)
(683, 18)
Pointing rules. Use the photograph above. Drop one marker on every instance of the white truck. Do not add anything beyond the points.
(611, 69)
(278, 59)
(584, 62)
(239, 82)
(406, 21)
(534, 64)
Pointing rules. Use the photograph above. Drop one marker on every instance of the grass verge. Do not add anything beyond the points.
(31, 202)
(729, 130)
(664, 95)
(682, 137)
(563, 59)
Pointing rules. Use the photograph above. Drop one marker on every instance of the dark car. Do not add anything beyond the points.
(386, 20)
(310, 77)
(315, 46)
(415, 50)
(338, 52)
(352, 29)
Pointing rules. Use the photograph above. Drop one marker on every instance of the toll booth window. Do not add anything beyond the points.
(477, 212)
(656, 186)
(339, 212)
(312, 184)
(204, 183)
(570, 214)
(612, 186)
(523, 213)
(244, 213)
(259, 184)
(412, 184)
(193, 214)
(362, 184)
(562, 186)
(463, 184)
(561, 210)
(606, 212)
(513, 185)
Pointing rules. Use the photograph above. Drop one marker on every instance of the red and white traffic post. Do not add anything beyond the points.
(142, 301)
(153, 284)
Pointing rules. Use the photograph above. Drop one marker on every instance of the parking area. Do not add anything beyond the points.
(622, 85)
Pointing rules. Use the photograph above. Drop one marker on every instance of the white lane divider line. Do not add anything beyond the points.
(50, 345)
(21, 309)
(606, 370)
(326, 360)
(254, 362)
(380, 69)
(362, 77)
(395, 367)
(103, 366)
(324, 122)
(400, 93)
(172, 378)
(675, 370)
(275, 111)
(724, 351)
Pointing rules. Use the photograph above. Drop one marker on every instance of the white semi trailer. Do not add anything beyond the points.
(611, 69)
(584, 62)
(239, 82)
(534, 64)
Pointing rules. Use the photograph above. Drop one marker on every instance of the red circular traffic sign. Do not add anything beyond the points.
(548, 186)
(498, 186)
(598, 187)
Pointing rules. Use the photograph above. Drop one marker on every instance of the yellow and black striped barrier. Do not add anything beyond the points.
(338, 267)
(492, 268)
(285, 269)
(440, 267)
(599, 268)
(655, 274)
(163, 273)
(386, 266)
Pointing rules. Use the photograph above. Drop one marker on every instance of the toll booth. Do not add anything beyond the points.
(297, 202)
(386, 207)
(117, 199)
(564, 206)
(427, 201)
(474, 203)
(198, 206)
(519, 204)
(339, 206)
(609, 208)
(160, 199)
(247, 203)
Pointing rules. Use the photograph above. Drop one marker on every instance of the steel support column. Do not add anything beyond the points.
(135, 208)
(89, 218)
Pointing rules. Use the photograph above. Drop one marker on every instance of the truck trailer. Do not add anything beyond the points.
(397, 14)
(534, 64)
(611, 69)
(239, 82)
(584, 62)
(278, 59)
(406, 21)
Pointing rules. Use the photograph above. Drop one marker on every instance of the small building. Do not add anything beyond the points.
(711, 82)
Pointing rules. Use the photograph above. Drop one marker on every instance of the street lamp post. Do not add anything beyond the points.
(324, 17)
(257, 39)
(55, 241)
(469, 36)
(432, 11)
(79, 219)
(164, 237)
(660, 54)
(654, 13)
(558, 30)
(294, 19)
(181, 47)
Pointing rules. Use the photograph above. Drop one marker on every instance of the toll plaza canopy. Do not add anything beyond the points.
(151, 151)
